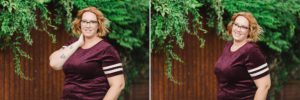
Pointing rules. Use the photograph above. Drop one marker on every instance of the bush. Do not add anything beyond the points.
(129, 31)
(279, 19)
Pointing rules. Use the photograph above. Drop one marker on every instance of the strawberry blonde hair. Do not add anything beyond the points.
(102, 21)
(254, 29)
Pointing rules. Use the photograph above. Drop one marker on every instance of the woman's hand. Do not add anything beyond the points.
(59, 57)
(81, 40)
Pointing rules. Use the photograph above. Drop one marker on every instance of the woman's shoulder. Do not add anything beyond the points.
(72, 40)
(227, 45)
(252, 47)
(105, 45)
(106, 48)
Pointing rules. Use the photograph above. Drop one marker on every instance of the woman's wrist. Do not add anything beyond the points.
(76, 45)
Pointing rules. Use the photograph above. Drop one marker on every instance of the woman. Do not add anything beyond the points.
(92, 67)
(242, 70)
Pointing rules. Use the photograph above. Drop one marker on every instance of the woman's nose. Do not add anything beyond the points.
(238, 29)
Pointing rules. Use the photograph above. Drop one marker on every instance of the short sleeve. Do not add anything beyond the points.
(256, 64)
(111, 62)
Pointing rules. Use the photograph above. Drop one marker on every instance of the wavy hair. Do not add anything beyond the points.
(102, 21)
(254, 29)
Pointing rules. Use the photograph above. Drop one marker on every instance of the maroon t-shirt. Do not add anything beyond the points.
(87, 70)
(236, 71)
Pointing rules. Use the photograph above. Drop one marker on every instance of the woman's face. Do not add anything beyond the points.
(240, 29)
(89, 24)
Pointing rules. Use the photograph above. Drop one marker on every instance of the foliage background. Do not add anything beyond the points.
(279, 19)
(169, 22)
(128, 28)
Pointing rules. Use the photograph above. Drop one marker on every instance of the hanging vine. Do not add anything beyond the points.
(17, 18)
(279, 19)
(128, 32)
(169, 23)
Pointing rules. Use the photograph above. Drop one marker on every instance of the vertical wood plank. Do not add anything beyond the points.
(6, 72)
(2, 75)
(196, 73)
(11, 79)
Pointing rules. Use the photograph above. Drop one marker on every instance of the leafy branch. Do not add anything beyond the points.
(169, 23)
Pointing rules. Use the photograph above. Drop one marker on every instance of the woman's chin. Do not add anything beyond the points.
(238, 39)
(88, 35)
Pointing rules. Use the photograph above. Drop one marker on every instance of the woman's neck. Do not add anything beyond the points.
(92, 39)
(239, 43)
(89, 42)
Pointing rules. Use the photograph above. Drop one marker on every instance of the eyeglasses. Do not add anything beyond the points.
(241, 26)
(84, 22)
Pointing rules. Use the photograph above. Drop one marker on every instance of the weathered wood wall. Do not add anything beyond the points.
(47, 83)
(196, 73)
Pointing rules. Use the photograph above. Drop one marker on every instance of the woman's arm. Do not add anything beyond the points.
(59, 57)
(117, 84)
(263, 85)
